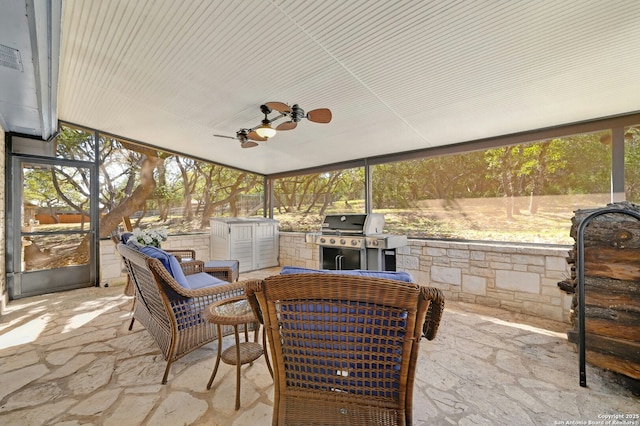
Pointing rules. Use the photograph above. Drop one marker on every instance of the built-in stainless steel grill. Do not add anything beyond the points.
(357, 241)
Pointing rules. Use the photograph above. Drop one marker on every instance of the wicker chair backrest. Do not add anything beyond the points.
(344, 347)
(146, 287)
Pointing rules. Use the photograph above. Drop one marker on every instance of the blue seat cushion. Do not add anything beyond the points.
(390, 275)
(233, 264)
(202, 280)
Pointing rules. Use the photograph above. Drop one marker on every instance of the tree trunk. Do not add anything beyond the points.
(163, 203)
(138, 197)
(188, 208)
(507, 182)
(537, 186)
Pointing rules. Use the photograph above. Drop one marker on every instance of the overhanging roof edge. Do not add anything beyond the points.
(568, 129)
(148, 145)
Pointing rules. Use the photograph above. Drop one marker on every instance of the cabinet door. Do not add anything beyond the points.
(242, 246)
(219, 247)
(267, 245)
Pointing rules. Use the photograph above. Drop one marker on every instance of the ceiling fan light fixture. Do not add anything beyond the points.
(249, 138)
(265, 130)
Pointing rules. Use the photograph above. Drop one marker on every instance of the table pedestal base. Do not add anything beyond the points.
(239, 354)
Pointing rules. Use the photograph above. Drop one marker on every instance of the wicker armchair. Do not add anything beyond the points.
(344, 348)
(171, 313)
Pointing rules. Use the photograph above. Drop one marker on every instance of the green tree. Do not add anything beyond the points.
(221, 186)
(187, 169)
(588, 165)
(311, 193)
(39, 190)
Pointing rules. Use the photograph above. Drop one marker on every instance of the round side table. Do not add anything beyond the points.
(234, 311)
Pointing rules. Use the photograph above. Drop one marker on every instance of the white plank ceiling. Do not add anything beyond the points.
(397, 75)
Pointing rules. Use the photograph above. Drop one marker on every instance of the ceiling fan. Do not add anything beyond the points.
(243, 136)
(294, 114)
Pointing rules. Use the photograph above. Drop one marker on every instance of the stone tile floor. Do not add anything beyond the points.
(69, 359)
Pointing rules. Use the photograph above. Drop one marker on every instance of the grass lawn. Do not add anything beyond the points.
(469, 219)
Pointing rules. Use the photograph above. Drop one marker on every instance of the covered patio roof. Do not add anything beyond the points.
(397, 76)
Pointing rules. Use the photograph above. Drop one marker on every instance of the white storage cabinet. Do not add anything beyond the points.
(252, 241)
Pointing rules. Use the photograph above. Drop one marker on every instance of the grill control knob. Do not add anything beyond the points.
(354, 242)
(323, 240)
(343, 241)
(332, 241)
(374, 242)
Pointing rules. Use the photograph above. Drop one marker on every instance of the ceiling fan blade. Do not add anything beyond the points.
(287, 125)
(254, 136)
(322, 115)
(225, 136)
(279, 106)
(248, 144)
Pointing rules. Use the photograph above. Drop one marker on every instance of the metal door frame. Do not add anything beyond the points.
(14, 273)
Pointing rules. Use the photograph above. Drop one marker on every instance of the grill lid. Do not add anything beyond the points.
(353, 224)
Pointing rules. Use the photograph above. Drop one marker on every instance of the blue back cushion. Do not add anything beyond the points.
(177, 273)
(169, 261)
(335, 344)
(390, 275)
